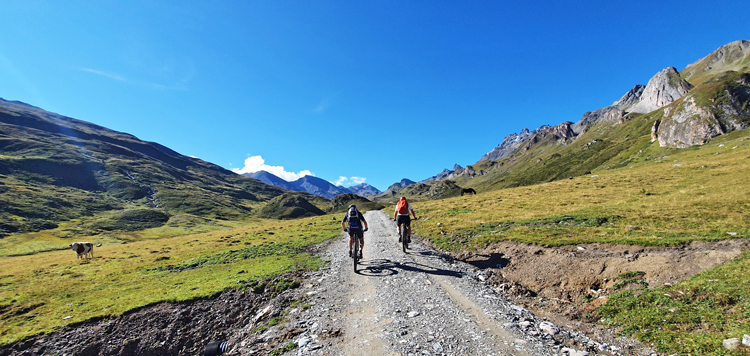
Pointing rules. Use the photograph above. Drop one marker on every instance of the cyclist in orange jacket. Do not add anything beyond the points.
(402, 215)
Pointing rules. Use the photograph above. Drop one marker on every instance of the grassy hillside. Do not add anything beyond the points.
(41, 292)
(72, 168)
(654, 196)
(645, 196)
(64, 179)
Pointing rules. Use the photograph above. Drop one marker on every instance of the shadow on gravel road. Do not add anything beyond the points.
(386, 267)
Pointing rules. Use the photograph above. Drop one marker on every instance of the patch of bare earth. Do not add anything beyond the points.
(564, 283)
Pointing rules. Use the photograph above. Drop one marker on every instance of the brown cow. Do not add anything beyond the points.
(83, 249)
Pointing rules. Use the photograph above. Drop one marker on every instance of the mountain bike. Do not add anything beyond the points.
(355, 256)
(404, 237)
(356, 248)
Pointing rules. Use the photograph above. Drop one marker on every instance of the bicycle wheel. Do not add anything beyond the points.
(404, 234)
(355, 258)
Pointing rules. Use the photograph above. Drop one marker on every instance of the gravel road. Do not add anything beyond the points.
(418, 303)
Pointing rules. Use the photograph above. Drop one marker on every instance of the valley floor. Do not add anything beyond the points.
(509, 299)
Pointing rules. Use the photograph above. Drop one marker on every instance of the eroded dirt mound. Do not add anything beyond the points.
(562, 280)
(159, 330)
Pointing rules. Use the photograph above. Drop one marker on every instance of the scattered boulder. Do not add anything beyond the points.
(731, 344)
(549, 328)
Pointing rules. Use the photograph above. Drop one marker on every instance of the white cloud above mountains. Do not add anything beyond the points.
(344, 181)
(257, 163)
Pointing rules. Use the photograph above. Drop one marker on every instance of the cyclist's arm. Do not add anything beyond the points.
(413, 213)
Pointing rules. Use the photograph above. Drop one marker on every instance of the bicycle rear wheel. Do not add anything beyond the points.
(355, 258)
(404, 237)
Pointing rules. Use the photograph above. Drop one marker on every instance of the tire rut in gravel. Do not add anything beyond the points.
(414, 303)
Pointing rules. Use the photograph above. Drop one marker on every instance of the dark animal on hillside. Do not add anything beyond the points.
(83, 249)
(468, 191)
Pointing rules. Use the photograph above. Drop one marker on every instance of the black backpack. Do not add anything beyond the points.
(353, 219)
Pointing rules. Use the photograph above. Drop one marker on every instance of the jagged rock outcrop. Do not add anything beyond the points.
(663, 89)
(559, 134)
(722, 107)
(610, 113)
(630, 98)
(510, 144)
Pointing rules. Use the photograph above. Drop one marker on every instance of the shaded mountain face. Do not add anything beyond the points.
(272, 179)
(55, 168)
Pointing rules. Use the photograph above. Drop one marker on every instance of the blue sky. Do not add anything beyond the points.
(372, 91)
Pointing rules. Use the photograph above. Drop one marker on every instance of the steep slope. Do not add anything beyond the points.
(54, 168)
(734, 56)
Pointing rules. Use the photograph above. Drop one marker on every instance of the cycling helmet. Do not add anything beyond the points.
(352, 206)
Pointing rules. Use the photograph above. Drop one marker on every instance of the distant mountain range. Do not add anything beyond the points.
(314, 185)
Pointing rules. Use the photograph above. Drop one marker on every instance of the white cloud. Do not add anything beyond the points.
(257, 163)
(341, 180)
(348, 182)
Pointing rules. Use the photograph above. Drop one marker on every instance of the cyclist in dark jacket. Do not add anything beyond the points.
(357, 227)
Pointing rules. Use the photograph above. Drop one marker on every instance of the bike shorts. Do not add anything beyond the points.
(357, 233)
(403, 218)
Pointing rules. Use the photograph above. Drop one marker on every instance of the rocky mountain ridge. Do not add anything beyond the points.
(314, 185)
(699, 103)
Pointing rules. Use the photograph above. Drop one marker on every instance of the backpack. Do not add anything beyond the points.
(402, 207)
(353, 219)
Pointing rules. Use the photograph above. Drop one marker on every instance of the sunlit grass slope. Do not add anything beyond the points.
(41, 292)
(645, 196)
(657, 196)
